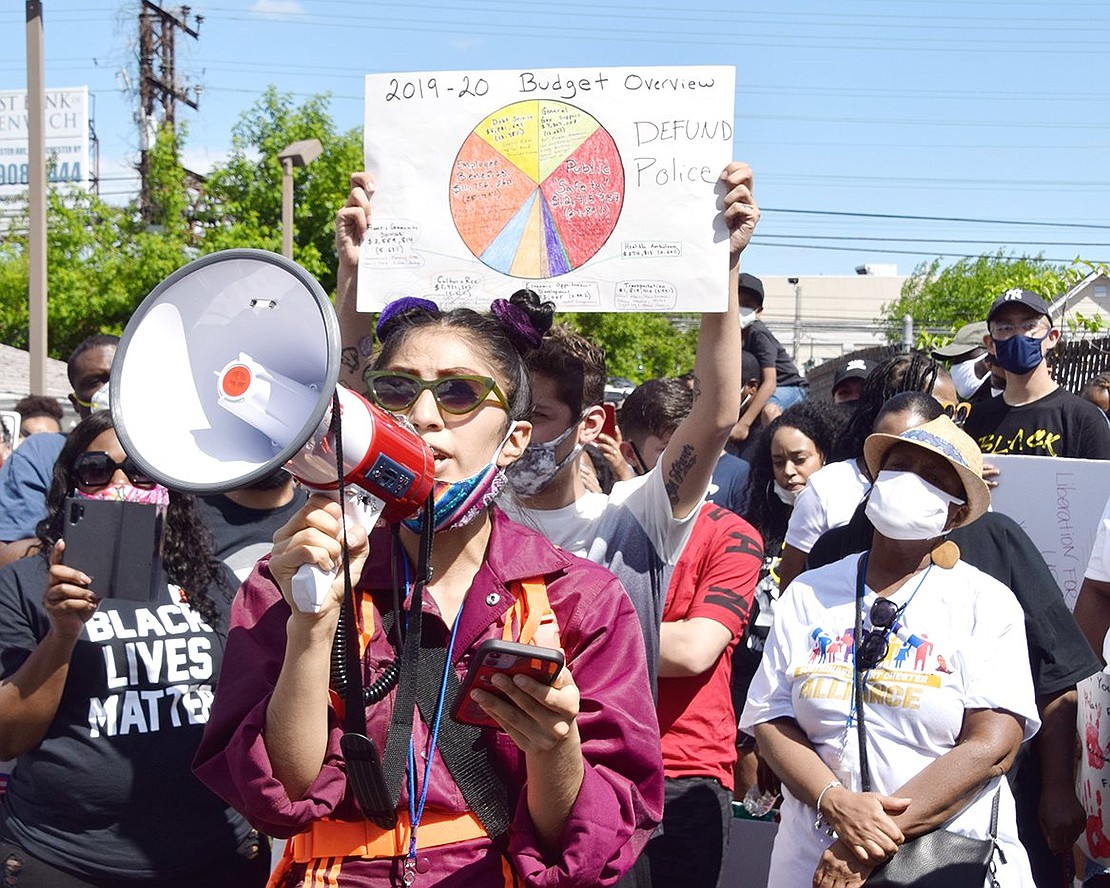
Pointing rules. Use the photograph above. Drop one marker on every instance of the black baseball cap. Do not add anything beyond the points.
(1020, 297)
(753, 285)
(857, 368)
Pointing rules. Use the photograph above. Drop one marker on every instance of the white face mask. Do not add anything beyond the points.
(787, 496)
(965, 379)
(747, 317)
(904, 506)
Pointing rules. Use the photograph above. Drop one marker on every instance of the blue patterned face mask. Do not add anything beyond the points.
(457, 503)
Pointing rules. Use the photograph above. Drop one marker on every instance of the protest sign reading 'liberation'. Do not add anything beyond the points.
(1059, 503)
(596, 187)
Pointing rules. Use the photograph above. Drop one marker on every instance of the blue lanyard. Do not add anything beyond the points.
(416, 809)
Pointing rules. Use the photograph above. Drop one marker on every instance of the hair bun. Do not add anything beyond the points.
(394, 314)
(525, 318)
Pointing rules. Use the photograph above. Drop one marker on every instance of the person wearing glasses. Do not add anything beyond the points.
(575, 767)
(1034, 416)
(947, 694)
(26, 476)
(103, 700)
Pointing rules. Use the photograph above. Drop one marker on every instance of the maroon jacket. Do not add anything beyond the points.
(621, 797)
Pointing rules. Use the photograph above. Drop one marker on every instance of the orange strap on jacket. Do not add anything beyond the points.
(531, 615)
(347, 838)
(532, 621)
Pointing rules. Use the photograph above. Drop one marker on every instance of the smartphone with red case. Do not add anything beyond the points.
(609, 427)
(509, 658)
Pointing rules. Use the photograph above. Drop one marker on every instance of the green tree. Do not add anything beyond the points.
(639, 346)
(243, 196)
(102, 260)
(940, 300)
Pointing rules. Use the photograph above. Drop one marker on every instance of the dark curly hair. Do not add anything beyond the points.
(186, 544)
(504, 336)
(819, 421)
(914, 372)
(39, 405)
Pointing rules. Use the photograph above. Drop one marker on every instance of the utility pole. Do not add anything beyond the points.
(158, 82)
(36, 162)
(797, 318)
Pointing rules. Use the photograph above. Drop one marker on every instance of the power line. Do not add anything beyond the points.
(633, 35)
(905, 216)
(929, 254)
(927, 240)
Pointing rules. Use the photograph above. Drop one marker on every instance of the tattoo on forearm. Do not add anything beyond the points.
(680, 468)
(349, 359)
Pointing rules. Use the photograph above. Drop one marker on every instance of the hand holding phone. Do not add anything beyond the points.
(507, 658)
(609, 427)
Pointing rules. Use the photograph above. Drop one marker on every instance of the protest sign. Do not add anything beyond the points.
(1059, 503)
(596, 187)
(1092, 784)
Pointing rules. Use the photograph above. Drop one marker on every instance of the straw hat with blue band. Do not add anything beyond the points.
(943, 437)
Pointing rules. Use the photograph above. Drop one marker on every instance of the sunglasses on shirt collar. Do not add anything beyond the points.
(873, 646)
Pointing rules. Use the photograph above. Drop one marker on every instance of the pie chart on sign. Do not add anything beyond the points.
(536, 189)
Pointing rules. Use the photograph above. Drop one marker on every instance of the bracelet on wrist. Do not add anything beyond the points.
(821, 822)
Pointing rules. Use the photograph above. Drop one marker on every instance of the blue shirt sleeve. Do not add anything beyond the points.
(24, 480)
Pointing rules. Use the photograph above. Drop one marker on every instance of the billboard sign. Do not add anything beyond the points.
(67, 138)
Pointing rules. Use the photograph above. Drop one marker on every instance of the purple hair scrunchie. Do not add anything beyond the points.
(397, 306)
(516, 319)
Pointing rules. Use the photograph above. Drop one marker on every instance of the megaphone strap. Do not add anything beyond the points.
(376, 785)
(404, 702)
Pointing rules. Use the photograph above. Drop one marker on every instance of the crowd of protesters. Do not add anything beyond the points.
(768, 602)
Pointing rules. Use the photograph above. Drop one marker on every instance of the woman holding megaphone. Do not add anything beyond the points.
(534, 783)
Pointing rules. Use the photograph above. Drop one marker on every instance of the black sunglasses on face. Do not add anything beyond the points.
(395, 391)
(872, 649)
(94, 468)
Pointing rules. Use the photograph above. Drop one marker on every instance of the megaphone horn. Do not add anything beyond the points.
(225, 374)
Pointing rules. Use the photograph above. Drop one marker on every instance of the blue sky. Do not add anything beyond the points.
(850, 112)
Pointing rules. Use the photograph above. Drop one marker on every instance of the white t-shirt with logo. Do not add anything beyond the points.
(960, 645)
(828, 500)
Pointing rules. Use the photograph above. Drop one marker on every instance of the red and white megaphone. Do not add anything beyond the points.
(226, 372)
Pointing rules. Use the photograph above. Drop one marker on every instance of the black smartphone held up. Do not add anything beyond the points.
(117, 544)
(609, 427)
(507, 658)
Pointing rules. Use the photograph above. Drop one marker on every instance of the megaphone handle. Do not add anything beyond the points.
(310, 584)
